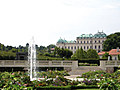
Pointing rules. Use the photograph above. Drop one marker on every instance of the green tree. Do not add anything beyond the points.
(81, 54)
(63, 52)
(119, 57)
(68, 53)
(112, 42)
(59, 51)
(92, 54)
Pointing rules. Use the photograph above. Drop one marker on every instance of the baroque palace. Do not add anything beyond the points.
(84, 41)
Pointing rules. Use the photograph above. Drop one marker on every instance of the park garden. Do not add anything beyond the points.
(55, 80)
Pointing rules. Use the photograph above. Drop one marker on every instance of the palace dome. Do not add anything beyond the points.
(100, 35)
(62, 41)
(86, 36)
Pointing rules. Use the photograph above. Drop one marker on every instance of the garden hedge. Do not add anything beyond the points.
(53, 88)
(84, 87)
(66, 87)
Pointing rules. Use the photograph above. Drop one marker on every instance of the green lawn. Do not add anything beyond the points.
(86, 89)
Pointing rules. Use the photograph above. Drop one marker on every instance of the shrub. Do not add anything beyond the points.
(87, 64)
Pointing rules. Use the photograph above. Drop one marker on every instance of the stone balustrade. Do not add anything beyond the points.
(109, 66)
(73, 64)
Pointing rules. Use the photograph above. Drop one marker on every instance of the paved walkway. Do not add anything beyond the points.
(83, 69)
(73, 77)
(80, 70)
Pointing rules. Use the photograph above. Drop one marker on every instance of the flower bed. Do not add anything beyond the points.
(55, 80)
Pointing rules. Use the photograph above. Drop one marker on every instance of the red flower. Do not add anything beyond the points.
(102, 75)
(40, 84)
(13, 74)
(25, 84)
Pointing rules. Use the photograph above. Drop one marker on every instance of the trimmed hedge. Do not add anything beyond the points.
(90, 61)
(84, 87)
(66, 87)
(87, 64)
(53, 88)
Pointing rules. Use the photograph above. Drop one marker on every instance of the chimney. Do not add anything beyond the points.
(117, 49)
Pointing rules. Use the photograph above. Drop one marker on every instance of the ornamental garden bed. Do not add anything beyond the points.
(21, 80)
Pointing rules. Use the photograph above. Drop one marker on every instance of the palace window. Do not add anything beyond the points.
(87, 47)
(90, 41)
(84, 47)
(99, 47)
(68, 47)
(95, 46)
(78, 41)
(95, 41)
(91, 47)
(81, 41)
(75, 47)
(84, 41)
(78, 47)
(99, 41)
(71, 47)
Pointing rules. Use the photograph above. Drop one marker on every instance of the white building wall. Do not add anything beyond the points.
(87, 43)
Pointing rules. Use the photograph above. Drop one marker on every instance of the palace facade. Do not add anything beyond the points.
(84, 41)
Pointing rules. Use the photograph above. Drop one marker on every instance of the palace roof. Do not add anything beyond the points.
(65, 41)
(100, 35)
(86, 35)
(97, 35)
(62, 41)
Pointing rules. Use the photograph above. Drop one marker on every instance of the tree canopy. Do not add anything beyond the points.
(81, 54)
(63, 52)
(91, 54)
(9, 52)
(112, 42)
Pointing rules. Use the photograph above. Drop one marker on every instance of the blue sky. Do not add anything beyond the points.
(48, 20)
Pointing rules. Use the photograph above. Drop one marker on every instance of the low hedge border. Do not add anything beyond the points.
(84, 87)
(54, 87)
(66, 87)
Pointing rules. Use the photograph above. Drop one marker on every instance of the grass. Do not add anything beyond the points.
(87, 89)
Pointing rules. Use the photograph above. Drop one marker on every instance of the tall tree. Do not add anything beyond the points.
(63, 52)
(112, 42)
(81, 54)
(92, 54)
(68, 53)
(119, 57)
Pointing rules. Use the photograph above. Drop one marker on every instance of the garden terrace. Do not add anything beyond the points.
(66, 64)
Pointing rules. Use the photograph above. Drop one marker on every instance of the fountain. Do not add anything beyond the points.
(32, 60)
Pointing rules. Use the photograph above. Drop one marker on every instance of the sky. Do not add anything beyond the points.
(48, 20)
